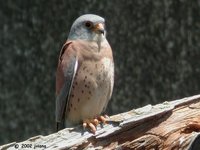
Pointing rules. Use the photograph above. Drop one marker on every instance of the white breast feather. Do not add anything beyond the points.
(109, 69)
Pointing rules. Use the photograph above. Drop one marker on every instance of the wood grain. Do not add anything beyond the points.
(170, 125)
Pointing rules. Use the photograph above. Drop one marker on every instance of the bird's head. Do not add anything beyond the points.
(88, 27)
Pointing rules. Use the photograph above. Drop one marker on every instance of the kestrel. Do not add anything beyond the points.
(85, 74)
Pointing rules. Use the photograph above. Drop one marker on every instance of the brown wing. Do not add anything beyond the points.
(66, 70)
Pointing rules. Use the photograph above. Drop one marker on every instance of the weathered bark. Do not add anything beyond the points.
(170, 125)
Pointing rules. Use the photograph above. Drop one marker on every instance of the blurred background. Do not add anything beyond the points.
(155, 44)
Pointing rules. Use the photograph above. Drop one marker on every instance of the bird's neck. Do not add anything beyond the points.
(97, 38)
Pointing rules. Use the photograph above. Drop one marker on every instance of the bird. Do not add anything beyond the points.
(85, 75)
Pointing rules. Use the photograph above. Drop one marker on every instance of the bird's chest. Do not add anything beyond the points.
(93, 78)
(99, 73)
(91, 89)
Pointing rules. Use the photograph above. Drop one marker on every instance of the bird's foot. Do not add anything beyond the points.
(93, 123)
(103, 119)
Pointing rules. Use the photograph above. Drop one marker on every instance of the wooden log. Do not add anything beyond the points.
(170, 125)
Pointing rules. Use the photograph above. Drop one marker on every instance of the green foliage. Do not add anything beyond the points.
(155, 45)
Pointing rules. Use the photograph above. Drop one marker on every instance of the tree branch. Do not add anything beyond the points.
(170, 125)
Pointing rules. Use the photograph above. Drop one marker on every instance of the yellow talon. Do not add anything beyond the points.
(92, 128)
(93, 123)
(102, 119)
(84, 125)
(96, 122)
(90, 124)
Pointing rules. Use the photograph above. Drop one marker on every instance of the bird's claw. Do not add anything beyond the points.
(93, 123)
(103, 119)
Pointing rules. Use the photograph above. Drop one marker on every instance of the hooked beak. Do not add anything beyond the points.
(99, 28)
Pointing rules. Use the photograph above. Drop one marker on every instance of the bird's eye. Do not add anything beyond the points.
(88, 24)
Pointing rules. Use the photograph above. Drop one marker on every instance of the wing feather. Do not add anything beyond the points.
(66, 71)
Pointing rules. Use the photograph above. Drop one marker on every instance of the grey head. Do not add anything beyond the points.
(88, 27)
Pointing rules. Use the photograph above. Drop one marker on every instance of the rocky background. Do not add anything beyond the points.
(155, 44)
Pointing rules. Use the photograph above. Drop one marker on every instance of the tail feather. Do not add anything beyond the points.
(59, 126)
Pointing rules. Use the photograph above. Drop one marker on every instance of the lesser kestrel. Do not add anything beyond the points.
(85, 74)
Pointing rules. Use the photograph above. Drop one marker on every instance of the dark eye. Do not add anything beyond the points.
(88, 24)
